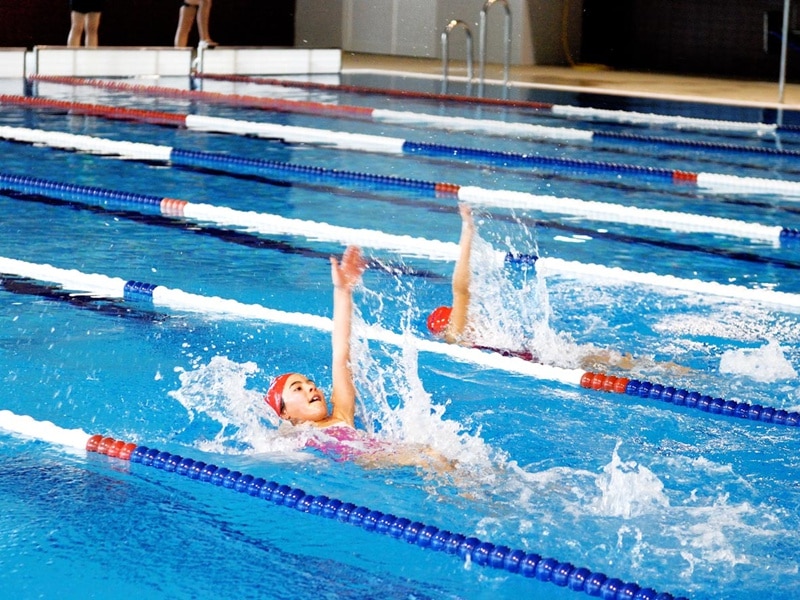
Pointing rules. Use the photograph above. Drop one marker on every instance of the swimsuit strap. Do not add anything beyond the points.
(523, 354)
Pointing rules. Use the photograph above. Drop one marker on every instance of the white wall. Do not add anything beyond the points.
(414, 27)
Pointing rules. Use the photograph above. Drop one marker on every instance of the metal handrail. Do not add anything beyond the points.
(507, 47)
(454, 24)
(784, 47)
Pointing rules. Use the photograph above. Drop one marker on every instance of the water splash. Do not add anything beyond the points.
(627, 489)
(516, 314)
(394, 405)
(765, 364)
(225, 416)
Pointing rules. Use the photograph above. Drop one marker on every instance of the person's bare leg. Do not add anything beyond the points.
(203, 19)
(75, 29)
(186, 16)
(92, 29)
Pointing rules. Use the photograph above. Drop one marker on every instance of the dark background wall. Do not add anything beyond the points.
(28, 23)
(713, 37)
(704, 37)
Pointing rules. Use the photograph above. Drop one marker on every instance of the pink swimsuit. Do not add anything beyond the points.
(342, 442)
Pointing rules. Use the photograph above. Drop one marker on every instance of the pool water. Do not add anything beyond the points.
(673, 498)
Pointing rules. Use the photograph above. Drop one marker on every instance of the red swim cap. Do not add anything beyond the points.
(438, 319)
(275, 392)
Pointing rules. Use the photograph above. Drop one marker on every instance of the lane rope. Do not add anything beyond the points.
(599, 211)
(465, 547)
(567, 111)
(269, 224)
(488, 126)
(710, 182)
(178, 300)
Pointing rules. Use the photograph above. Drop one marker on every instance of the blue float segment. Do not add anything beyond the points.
(236, 164)
(137, 291)
(82, 193)
(483, 553)
(628, 138)
(535, 160)
(788, 234)
(520, 259)
(706, 403)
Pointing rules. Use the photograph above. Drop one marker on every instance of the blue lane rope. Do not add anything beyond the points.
(406, 146)
(689, 399)
(515, 158)
(483, 553)
(683, 143)
(195, 158)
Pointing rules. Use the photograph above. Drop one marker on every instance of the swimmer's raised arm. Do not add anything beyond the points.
(461, 278)
(345, 275)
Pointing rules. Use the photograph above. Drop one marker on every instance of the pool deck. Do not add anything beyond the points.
(597, 79)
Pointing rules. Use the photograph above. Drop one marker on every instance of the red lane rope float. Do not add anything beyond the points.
(356, 89)
(280, 105)
(111, 112)
(487, 554)
(690, 399)
(684, 177)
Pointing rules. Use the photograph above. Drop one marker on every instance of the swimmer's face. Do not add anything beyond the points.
(303, 400)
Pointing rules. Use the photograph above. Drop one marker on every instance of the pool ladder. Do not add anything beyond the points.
(456, 24)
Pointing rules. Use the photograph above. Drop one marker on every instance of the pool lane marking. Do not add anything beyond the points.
(598, 211)
(710, 182)
(567, 111)
(178, 300)
(491, 126)
(270, 224)
(467, 548)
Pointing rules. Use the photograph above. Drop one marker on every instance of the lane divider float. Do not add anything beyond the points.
(269, 224)
(710, 182)
(562, 110)
(487, 126)
(690, 399)
(465, 547)
(599, 211)
(178, 300)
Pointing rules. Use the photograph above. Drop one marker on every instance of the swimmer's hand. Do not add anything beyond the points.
(466, 216)
(347, 274)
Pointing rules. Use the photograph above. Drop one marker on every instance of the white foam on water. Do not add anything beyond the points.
(627, 489)
(765, 364)
(227, 417)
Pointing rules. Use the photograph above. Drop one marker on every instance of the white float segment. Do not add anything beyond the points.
(484, 358)
(678, 122)
(268, 224)
(44, 431)
(747, 185)
(618, 213)
(184, 301)
(69, 279)
(546, 266)
(518, 130)
(85, 143)
(298, 135)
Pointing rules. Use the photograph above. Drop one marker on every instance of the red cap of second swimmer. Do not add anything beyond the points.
(275, 392)
(438, 319)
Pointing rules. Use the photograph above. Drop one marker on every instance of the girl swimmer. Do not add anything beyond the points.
(453, 323)
(296, 398)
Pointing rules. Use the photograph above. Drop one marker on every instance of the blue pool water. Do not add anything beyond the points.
(672, 498)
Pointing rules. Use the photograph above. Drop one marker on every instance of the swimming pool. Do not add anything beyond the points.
(673, 498)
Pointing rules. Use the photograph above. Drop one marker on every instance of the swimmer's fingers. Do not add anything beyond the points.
(466, 213)
(348, 272)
